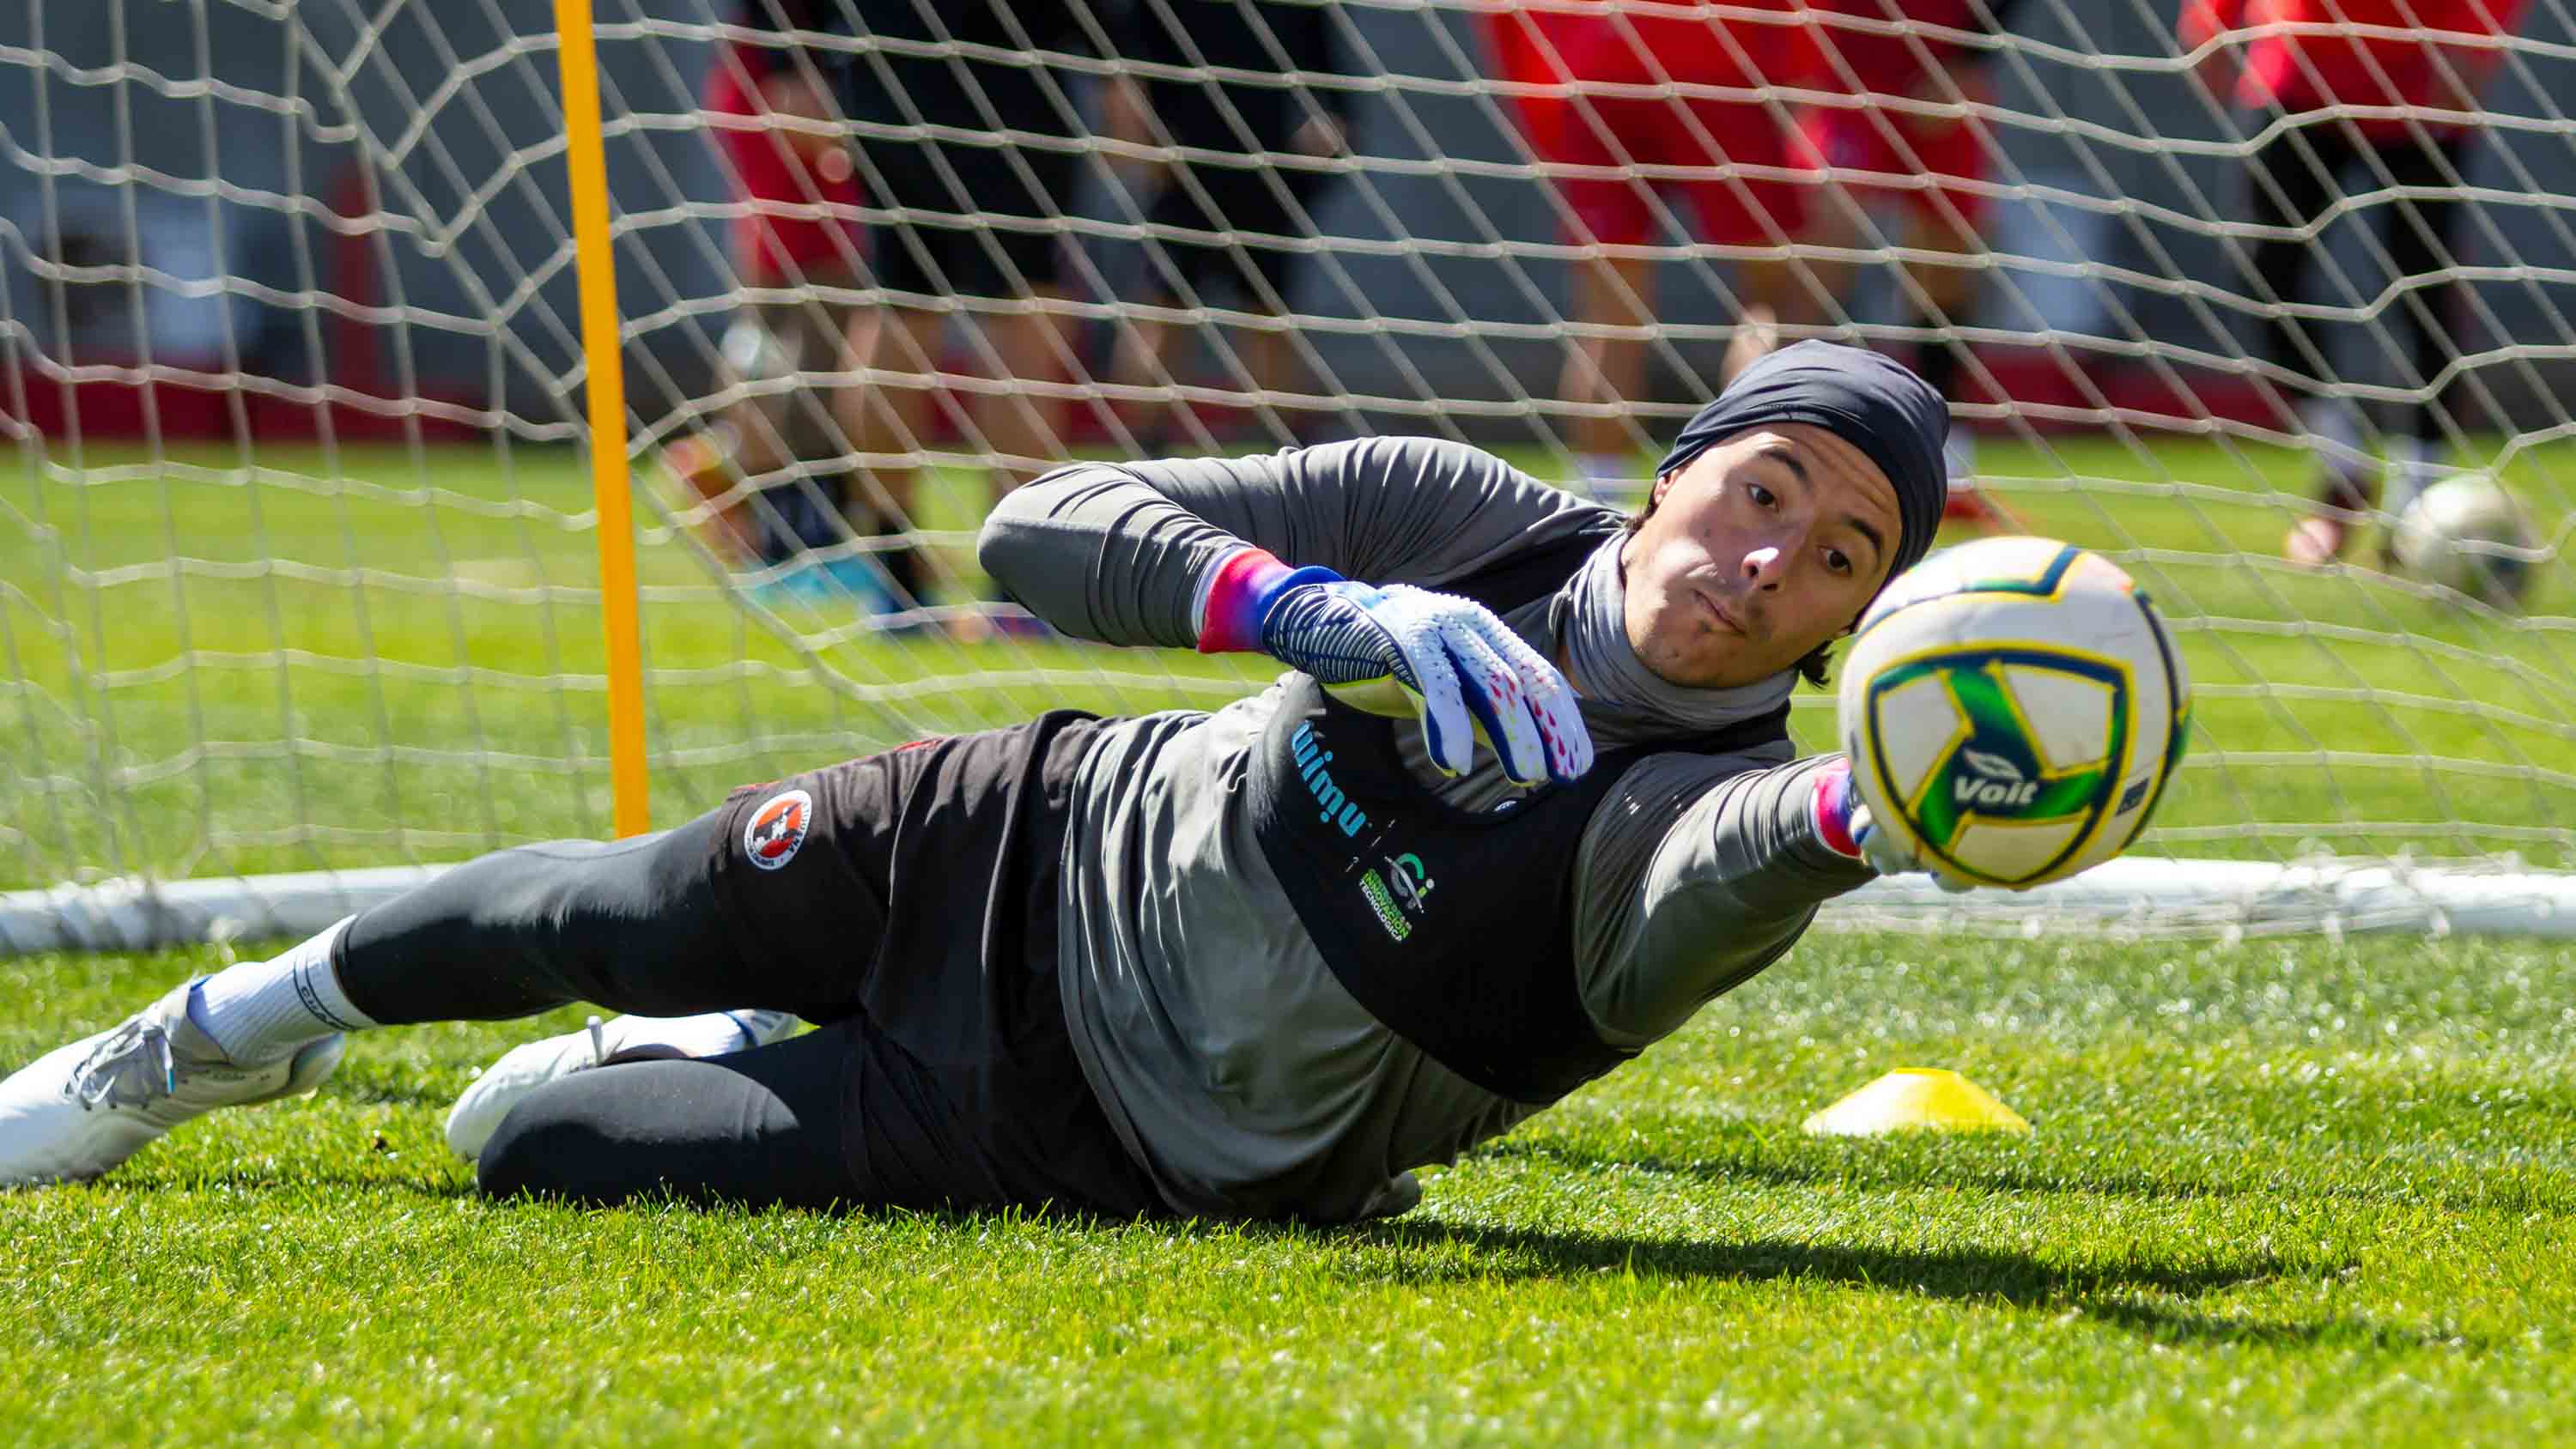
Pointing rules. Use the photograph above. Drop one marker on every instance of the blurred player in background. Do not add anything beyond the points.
(980, 187)
(1746, 174)
(797, 239)
(1236, 191)
(1914, 51)
(2419, 64)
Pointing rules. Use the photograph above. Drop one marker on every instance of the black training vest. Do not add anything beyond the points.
(1454, 928)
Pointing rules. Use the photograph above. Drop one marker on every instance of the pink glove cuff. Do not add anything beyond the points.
(1232, 598)
(1834, 800)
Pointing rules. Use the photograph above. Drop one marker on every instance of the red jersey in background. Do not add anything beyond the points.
(1882, 60)
(1871, 60)
(2310, 54)
(789, 233)
(1709, 141)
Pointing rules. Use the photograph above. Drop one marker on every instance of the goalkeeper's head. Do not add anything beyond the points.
(1782, 510)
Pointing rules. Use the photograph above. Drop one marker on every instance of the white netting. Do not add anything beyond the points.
(296, 569)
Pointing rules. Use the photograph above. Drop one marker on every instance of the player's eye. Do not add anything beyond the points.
(1762, 497)
(1838, 561)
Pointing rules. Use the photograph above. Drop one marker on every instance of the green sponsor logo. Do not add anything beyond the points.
(1382, 903)
(1993, 770)
(1409, 881)
(1997, 770)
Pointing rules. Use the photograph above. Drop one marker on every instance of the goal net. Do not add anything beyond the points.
(298, 555)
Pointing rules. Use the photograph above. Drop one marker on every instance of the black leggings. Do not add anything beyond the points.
(634, 926)
(2295, 178)
(912, 918)
(763, 1127)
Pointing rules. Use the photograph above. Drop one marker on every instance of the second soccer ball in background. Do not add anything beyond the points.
(2467, 535)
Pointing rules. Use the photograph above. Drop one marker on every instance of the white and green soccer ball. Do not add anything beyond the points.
(2467, 535)
(2013, 709)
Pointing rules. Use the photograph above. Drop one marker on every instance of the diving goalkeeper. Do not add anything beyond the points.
(1255, 963)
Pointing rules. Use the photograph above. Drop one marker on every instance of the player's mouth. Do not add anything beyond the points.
(1717, 611)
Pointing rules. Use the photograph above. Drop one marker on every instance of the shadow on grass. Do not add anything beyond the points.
(1427, 1254)
(2491, 1190)
(2117, 1294)
(250, 1182)
(1505, 1252)
(2180, 1326)
(391, 1091)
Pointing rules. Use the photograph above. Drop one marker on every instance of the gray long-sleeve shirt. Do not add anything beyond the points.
(1230, 1059)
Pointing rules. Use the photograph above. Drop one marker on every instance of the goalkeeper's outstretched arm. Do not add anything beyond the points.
(1699, 873)
(1124, 552)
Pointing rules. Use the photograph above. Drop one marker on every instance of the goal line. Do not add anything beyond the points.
(2131, 898)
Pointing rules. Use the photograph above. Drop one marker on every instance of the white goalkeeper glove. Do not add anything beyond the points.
(1461, 668)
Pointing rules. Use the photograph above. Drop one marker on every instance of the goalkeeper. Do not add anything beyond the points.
(1256, 963)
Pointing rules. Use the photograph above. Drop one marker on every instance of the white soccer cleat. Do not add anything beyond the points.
(523, 1069)
(80, 1110)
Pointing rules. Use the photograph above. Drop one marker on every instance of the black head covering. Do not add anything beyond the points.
(1874, 403)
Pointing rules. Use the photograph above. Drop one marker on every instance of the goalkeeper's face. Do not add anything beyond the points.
(1764, 546)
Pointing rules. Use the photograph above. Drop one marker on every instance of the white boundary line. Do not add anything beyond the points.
(2135, 897)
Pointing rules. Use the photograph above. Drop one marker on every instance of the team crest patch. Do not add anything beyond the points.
(777, 828)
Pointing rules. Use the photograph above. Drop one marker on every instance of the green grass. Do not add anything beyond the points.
(2277, 1193)
(367, 657)
(2281, 1193)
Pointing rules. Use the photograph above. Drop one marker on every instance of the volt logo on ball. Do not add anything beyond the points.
(1994, 767)
(1998, 782)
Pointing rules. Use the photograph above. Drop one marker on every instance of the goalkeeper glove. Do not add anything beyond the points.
(1843, 820)
(1460, 667)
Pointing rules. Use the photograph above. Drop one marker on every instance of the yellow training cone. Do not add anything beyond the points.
(1916, 1097)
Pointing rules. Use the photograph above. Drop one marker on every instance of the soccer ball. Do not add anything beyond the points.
(2013, 708)
(2467, 535)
